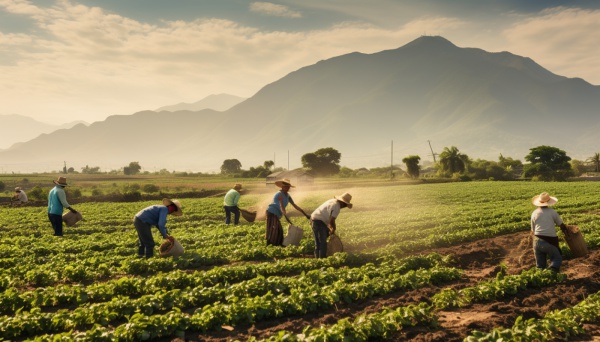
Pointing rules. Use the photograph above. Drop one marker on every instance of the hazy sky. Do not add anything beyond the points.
(85, 60)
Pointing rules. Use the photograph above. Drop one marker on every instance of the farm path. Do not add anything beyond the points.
(480, 260)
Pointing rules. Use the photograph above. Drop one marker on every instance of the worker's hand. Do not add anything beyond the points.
(72, 210)
(287, 219)
(307, 216)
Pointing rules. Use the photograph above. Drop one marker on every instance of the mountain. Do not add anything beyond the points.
(18, 128)
(485, 104)
(220, 102)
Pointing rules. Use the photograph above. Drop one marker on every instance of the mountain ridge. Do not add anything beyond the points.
(484, 103)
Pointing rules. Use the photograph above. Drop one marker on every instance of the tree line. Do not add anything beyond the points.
(544, 163)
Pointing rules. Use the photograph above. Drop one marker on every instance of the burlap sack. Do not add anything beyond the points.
(71, 218)
(334, 245)
(171, 247)
(575, 241)
(294, 235)
(249, 216)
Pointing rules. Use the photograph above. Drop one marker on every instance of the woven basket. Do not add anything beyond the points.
(294, 235)
(249, 216)
(168, 248)
(575, 241)
(71, 218)
(334, 245)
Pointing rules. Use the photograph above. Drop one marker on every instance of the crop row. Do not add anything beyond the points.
(310, 292)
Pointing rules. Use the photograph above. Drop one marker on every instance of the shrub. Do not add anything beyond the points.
(150, 188)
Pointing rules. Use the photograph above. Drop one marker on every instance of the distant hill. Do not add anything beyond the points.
(218, 102)
(485, 104)
(18, 128)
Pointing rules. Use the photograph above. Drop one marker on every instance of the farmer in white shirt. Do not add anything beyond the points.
(19, 197)
(323, 221)
(543, 227)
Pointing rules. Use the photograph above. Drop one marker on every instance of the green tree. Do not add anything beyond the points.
(547, 163)
(452, 161)
(90, 170)
(579, 167)
(231, 166)
(323, 162)
(268, 164)
(412, 166)
(595, 160)
(132, 169)
(485, 169)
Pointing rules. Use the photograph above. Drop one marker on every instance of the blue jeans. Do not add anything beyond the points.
(543, 251)
(57, 224)
(146, 241)
(232, 209)
(320, 233)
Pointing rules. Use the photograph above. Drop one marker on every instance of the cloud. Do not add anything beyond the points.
(271, 9)
(563, 40)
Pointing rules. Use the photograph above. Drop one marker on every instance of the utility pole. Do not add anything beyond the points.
(392, 165)
(432, 154)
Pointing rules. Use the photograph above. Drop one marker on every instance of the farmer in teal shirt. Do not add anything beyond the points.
(57, 201)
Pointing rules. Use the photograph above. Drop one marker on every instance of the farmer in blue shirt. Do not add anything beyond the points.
(276, 210)
(57, 201)
(154, 215)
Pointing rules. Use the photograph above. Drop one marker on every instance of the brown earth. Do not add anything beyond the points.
(480, 260)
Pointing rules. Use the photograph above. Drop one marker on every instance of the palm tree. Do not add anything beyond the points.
(595, 159)
(452, 161)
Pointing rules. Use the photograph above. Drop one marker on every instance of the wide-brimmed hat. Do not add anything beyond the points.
(17, 189)
(346, 198)
(543, 200)
(237, 186)
(167, 202)
(282, 182)
(61, 181)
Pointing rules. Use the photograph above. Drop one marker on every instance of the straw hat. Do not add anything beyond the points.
(285, 181)
(346, 197)
(238, 186)
(168, 202)
(543, 200)
(17, 189)
(61, 181)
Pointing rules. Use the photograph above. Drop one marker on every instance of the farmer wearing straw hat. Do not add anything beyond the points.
(230, 204)
(154, 215)
(19, 197)
(323, 221)
(545, 241)
(57, 201)
(276, 210)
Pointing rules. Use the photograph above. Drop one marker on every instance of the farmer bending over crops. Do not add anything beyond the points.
(19, 197)
(154, 215)
(276, 209)
(323, 221)
(545, 241)
(230, 204)
(57, 201)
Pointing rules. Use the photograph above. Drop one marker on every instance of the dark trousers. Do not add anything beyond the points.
(320, 233)
(146, 241)
(236, 212)
(57, 224)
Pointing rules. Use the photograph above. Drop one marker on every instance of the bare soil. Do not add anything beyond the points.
(481, 260)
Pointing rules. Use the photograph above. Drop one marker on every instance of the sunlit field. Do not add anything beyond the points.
(89, 285)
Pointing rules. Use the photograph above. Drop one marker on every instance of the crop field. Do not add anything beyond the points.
(421, 262)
